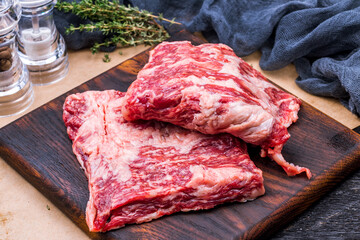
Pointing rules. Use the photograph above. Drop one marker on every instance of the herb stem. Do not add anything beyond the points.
(125, 25)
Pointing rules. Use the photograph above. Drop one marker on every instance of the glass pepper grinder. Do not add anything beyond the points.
(41, 47)
(16, 92)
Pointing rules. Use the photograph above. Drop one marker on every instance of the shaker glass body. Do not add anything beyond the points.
(16, 92)
(41, 47)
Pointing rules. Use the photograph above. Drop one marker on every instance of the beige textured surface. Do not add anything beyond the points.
(27, 214)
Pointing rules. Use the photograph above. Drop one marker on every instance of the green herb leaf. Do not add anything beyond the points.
(106, 58)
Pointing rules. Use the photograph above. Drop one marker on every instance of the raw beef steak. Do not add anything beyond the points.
(209, 89)
(139, 171)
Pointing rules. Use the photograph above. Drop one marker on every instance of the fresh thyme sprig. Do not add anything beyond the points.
(125, 25)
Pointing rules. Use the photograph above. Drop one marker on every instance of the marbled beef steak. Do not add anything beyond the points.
(139, 171)
(209, 89)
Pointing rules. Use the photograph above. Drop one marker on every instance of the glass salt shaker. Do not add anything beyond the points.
(16, 92)
(41, 47)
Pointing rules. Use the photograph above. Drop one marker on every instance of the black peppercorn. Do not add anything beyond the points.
(5, 57)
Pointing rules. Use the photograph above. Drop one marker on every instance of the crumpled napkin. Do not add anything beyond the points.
(321, 37)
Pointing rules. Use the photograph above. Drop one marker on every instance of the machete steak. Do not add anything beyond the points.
(209, 89)
(142, 170)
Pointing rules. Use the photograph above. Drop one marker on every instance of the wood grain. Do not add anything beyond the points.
(38, 147)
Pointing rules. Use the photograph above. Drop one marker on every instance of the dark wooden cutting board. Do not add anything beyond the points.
(37, 146)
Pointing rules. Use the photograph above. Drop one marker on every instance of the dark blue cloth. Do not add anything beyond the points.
(321, 37)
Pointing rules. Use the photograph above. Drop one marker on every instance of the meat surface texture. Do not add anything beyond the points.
(142, 170)
(209, 89)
